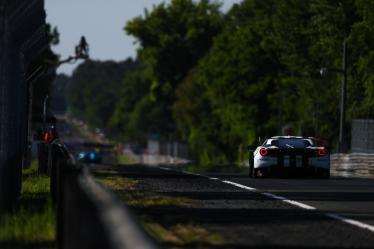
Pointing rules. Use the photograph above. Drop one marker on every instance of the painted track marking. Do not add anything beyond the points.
(270, 195)
(291, 202)
(352, 222)
(305, 206)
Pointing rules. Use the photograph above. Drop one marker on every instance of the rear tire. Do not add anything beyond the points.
(255, 173)
(251, 168)
(323, 173)
(251, 162)
(326, 174)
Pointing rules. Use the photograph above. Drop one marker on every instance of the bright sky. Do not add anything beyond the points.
(102, 22)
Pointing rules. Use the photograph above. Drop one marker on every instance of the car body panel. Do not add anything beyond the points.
(297, 154)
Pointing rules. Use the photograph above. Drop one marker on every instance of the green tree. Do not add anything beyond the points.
(132, 118)
(219, 81)
(94, 88)
(362, 61)
(172, 39)
(234, 80)
(262, 73)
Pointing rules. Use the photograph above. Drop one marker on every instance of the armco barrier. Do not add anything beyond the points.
(88, 216)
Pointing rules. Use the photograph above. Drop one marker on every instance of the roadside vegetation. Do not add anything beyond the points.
(32, 223)
(181, 235)
(127, 159)
(219, 81)
(126, 189)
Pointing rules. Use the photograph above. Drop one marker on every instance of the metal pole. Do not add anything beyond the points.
(3, 79)
(342, 146)
(45, 112)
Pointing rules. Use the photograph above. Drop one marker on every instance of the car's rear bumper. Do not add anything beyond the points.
(276, 170)
(286, 166)
(293, 162)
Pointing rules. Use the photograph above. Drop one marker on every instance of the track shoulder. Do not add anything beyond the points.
(244, 217)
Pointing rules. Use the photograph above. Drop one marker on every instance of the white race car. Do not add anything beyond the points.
(289, 155)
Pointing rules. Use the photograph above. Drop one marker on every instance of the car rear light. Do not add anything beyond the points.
(264, 152)
(321, 152)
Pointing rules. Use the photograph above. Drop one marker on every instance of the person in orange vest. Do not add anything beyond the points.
(50, 135)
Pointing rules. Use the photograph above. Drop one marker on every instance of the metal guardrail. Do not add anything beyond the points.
(88, 216)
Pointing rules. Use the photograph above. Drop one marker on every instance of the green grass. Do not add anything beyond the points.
(180, 235)
(125, 188)
(32, 223)
(183, 235)
(127, 159)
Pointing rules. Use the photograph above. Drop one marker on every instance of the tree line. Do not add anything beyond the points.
(221, 80)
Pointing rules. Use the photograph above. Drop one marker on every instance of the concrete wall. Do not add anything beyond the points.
(161, 152)
(353, 165)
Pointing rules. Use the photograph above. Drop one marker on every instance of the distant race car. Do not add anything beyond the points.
(89, 157)
(288, 155)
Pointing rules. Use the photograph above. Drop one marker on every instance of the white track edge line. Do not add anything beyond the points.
(294, 203)
(276, 197)
(305, 206)
(299, 204)
(351, 222)
(239, 185)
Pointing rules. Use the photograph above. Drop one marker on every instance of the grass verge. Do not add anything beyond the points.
(168, 233)
(182, 235)
(126, 189)
(127, 159)
(32, 223)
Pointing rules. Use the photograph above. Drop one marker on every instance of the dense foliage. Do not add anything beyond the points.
(172, 39)
(220, 81)
(93, 89)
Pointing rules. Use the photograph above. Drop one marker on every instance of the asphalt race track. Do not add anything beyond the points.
(352, 198)
(267, 213)
(262, 213)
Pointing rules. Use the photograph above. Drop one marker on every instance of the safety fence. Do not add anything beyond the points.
(22, 40)
(88, 216)
(362, 136)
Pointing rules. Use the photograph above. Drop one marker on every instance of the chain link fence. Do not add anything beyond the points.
(362, 137)
(22, 38)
